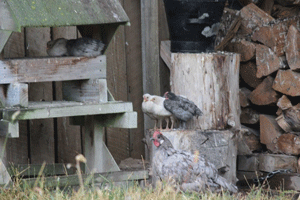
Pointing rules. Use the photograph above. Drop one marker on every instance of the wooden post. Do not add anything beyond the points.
(98, 156)
(211, 81)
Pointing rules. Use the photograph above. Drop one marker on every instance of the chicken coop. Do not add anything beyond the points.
(53, 108)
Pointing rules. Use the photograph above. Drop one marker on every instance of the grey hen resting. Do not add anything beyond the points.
(182, 108)
(189, 172)
(86, 47)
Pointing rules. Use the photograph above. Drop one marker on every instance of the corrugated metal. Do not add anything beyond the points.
(40, 13)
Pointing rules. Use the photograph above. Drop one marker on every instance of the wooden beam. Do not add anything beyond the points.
(52, 69)
(43, 110)
(122, 120)
(165, 52)
(17, 95)
(4, 35)
(99, 159)
(73, 180)
(10, 130)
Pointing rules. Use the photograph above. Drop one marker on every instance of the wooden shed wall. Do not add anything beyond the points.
(54, 140)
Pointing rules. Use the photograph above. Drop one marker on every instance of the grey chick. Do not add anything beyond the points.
(86, 47)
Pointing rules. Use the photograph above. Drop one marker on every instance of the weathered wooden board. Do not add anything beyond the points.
(123, 120)
(52, 69)
(272, 162)
(17, 95)
(92, 90)
(211, 81)
(10, 130)
(7, 20)
(43, 110)
(15, 47)
(165, 53)
(218, 147)
(248, 163)
(72, 180)
(4, 35)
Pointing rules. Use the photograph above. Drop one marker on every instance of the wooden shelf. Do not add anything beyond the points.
(43, 110)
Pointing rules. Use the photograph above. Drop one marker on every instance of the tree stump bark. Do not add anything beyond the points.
(211, 81)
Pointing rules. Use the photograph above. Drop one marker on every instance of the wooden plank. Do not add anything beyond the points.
(17, 95)
(165, 52)
(248, 162)
(272, 162)
(10, 130)
(41, 131)
(123, 120)
(99, 159)
(7, 20)
(34, 169)
(52, 69)
(150, 51)
(92, 90)
(134, 75)
(44, 110)
(17, 148)
(4, 35)
(67, 137)
(73, 180)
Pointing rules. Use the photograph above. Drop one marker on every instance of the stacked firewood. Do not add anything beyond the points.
(266, 34)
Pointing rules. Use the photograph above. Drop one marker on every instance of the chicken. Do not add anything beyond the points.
(191, 172)
(160, 112)
(147, 108)
(87, 47)
(182, 108)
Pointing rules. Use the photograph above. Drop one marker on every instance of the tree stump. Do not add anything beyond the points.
(211, 81)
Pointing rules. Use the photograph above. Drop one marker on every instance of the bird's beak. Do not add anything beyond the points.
(145, 99)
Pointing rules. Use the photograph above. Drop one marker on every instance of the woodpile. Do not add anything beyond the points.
(267, 35)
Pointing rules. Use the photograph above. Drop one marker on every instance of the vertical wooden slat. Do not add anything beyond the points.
(68, 137)
(41, 130)
(117, 139)
(150, 51)
(134, 75)
(17, 148)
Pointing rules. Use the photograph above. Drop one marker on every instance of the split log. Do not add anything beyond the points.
(264, 94)
(287, 82)
(289, 144)
(249, 116)
(253, 17)
(244, 97)
(293, 48)
(288, 2)
(289, 120)
(284, 103)
(272, 162)
(266, 60)
(243, 47)
(248, 141)
(269, 131)
(267, 6)
(248, 73)
(273, 36)
(282, 12)
(211, 77)
(248, 163)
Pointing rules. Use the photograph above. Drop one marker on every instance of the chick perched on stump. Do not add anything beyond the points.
(86, 47)
(182, 108)
(191, 172)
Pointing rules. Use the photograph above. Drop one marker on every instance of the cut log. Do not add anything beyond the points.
(253, 17)
(244, 97)
(248, 141)
(269, 131)
(266, 60)
(248, 163)
(284, 103)
(248, 73)
(272, 162)
(288, 2)
(243, 47)
(281, 12)
(210, 76)
(279, 111)
(289, 144)
(249, 116)
(267, 6)
(264, 93)
(287, 82)
(293, 48)
(290, 119)
(273, 36)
